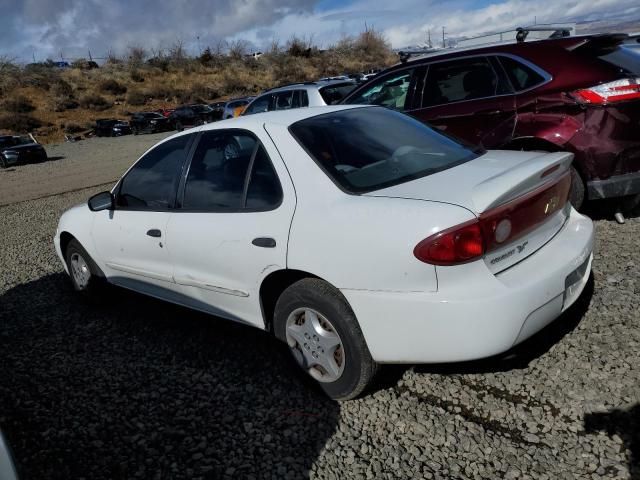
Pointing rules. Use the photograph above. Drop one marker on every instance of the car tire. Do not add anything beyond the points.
(179, 126)
(135, 131)
(318, 315)
(3, 162)
(577, 193)
(84, 273)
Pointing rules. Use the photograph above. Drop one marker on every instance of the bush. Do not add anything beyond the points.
(18, 104)
(19, 123)
(136, 76)
(135, 97)
(61, 89)
(94, 102)
(112, 86)
(60, 104)
(72, 127)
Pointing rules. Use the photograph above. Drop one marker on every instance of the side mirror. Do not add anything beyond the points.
(101, 201)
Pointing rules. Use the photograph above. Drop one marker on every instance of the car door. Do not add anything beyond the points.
(131, 238)
(232, 225)
(468, 98)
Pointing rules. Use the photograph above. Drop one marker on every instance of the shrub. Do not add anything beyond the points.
(61, 89)
(60, 104)
(135, 97)
(112, 86)
(19, 123)
(136, 76)
(18, 104)
(94, 102)
(72, 127)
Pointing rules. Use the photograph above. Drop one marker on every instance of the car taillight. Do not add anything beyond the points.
(470, 241)
(460, 244)
(617, 91)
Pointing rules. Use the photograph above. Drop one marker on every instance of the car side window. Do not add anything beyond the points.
(230, 171)
(264, 190)
(283, 100)
(303, 98)
(389, 91)
(457, 80)
(151, 183)
(259, 105)
(521, 76)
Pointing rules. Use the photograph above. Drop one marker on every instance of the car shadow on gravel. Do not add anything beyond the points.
(622, 422)
(606, 209)
(520, 356)
(132, 387)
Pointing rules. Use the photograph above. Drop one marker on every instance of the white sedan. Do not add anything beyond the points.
(357, 235)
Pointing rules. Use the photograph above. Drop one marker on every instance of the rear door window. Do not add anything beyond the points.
(521, 76)
(458, 80)
(283, 100)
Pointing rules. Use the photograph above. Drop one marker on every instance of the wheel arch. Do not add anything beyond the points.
(272, 287)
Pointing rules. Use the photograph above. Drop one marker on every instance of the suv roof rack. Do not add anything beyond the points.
(521, 34)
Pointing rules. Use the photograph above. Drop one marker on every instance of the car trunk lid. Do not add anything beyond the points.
(520, 199)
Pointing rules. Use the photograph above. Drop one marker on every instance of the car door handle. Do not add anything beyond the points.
(154, 232)
(264, 242)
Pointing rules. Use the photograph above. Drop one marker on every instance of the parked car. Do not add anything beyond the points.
(188, 116)
(111, 127)
(297, 95)
(165, 112)
(235, 107)
(218, 109)
(457, 253)
(580, 94)
(15, 149)
(150, 122)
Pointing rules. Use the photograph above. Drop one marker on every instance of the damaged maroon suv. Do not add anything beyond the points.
(580, 94)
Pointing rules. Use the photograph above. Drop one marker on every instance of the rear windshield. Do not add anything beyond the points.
(625, 57)
(334, 93)
(366, 149)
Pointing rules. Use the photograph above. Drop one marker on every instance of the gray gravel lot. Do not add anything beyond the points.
(131, 387)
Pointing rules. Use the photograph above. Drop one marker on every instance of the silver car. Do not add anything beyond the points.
(298, 95)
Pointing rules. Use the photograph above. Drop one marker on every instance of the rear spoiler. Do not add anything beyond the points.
(597, 43)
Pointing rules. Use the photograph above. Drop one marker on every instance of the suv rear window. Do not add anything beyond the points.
(333, 94)
(626, 58)
(366, 149)
(521, 76)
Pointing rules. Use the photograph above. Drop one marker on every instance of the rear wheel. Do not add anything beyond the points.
(576, 196)
(3, 162)
(82, 269)
(323, 335)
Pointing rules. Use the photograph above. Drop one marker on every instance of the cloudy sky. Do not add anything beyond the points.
(47, 28)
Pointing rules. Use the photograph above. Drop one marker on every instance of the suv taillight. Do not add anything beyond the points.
(618, 91)
(499, 226)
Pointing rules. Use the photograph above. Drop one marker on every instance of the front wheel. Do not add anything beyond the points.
(315, 321)
(81, 267)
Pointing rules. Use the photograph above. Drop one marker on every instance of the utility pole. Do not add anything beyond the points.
(443, 46)
(429, 38)
(199, 50)
(33, 54)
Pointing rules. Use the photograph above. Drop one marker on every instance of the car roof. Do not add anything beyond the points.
(509, 46)
(278, 117)
(311, 86)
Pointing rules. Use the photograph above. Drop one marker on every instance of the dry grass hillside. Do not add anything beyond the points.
(50, 102)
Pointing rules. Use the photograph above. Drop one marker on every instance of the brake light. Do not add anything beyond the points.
(618, 91)
(508, 222)
(460, 244)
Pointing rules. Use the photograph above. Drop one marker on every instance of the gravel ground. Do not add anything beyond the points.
(136, 388)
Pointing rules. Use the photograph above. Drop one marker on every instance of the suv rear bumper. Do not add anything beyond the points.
(616, 186)
(476, 314)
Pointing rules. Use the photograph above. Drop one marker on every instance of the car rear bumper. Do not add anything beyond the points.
(483, 315)
(616, 186)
